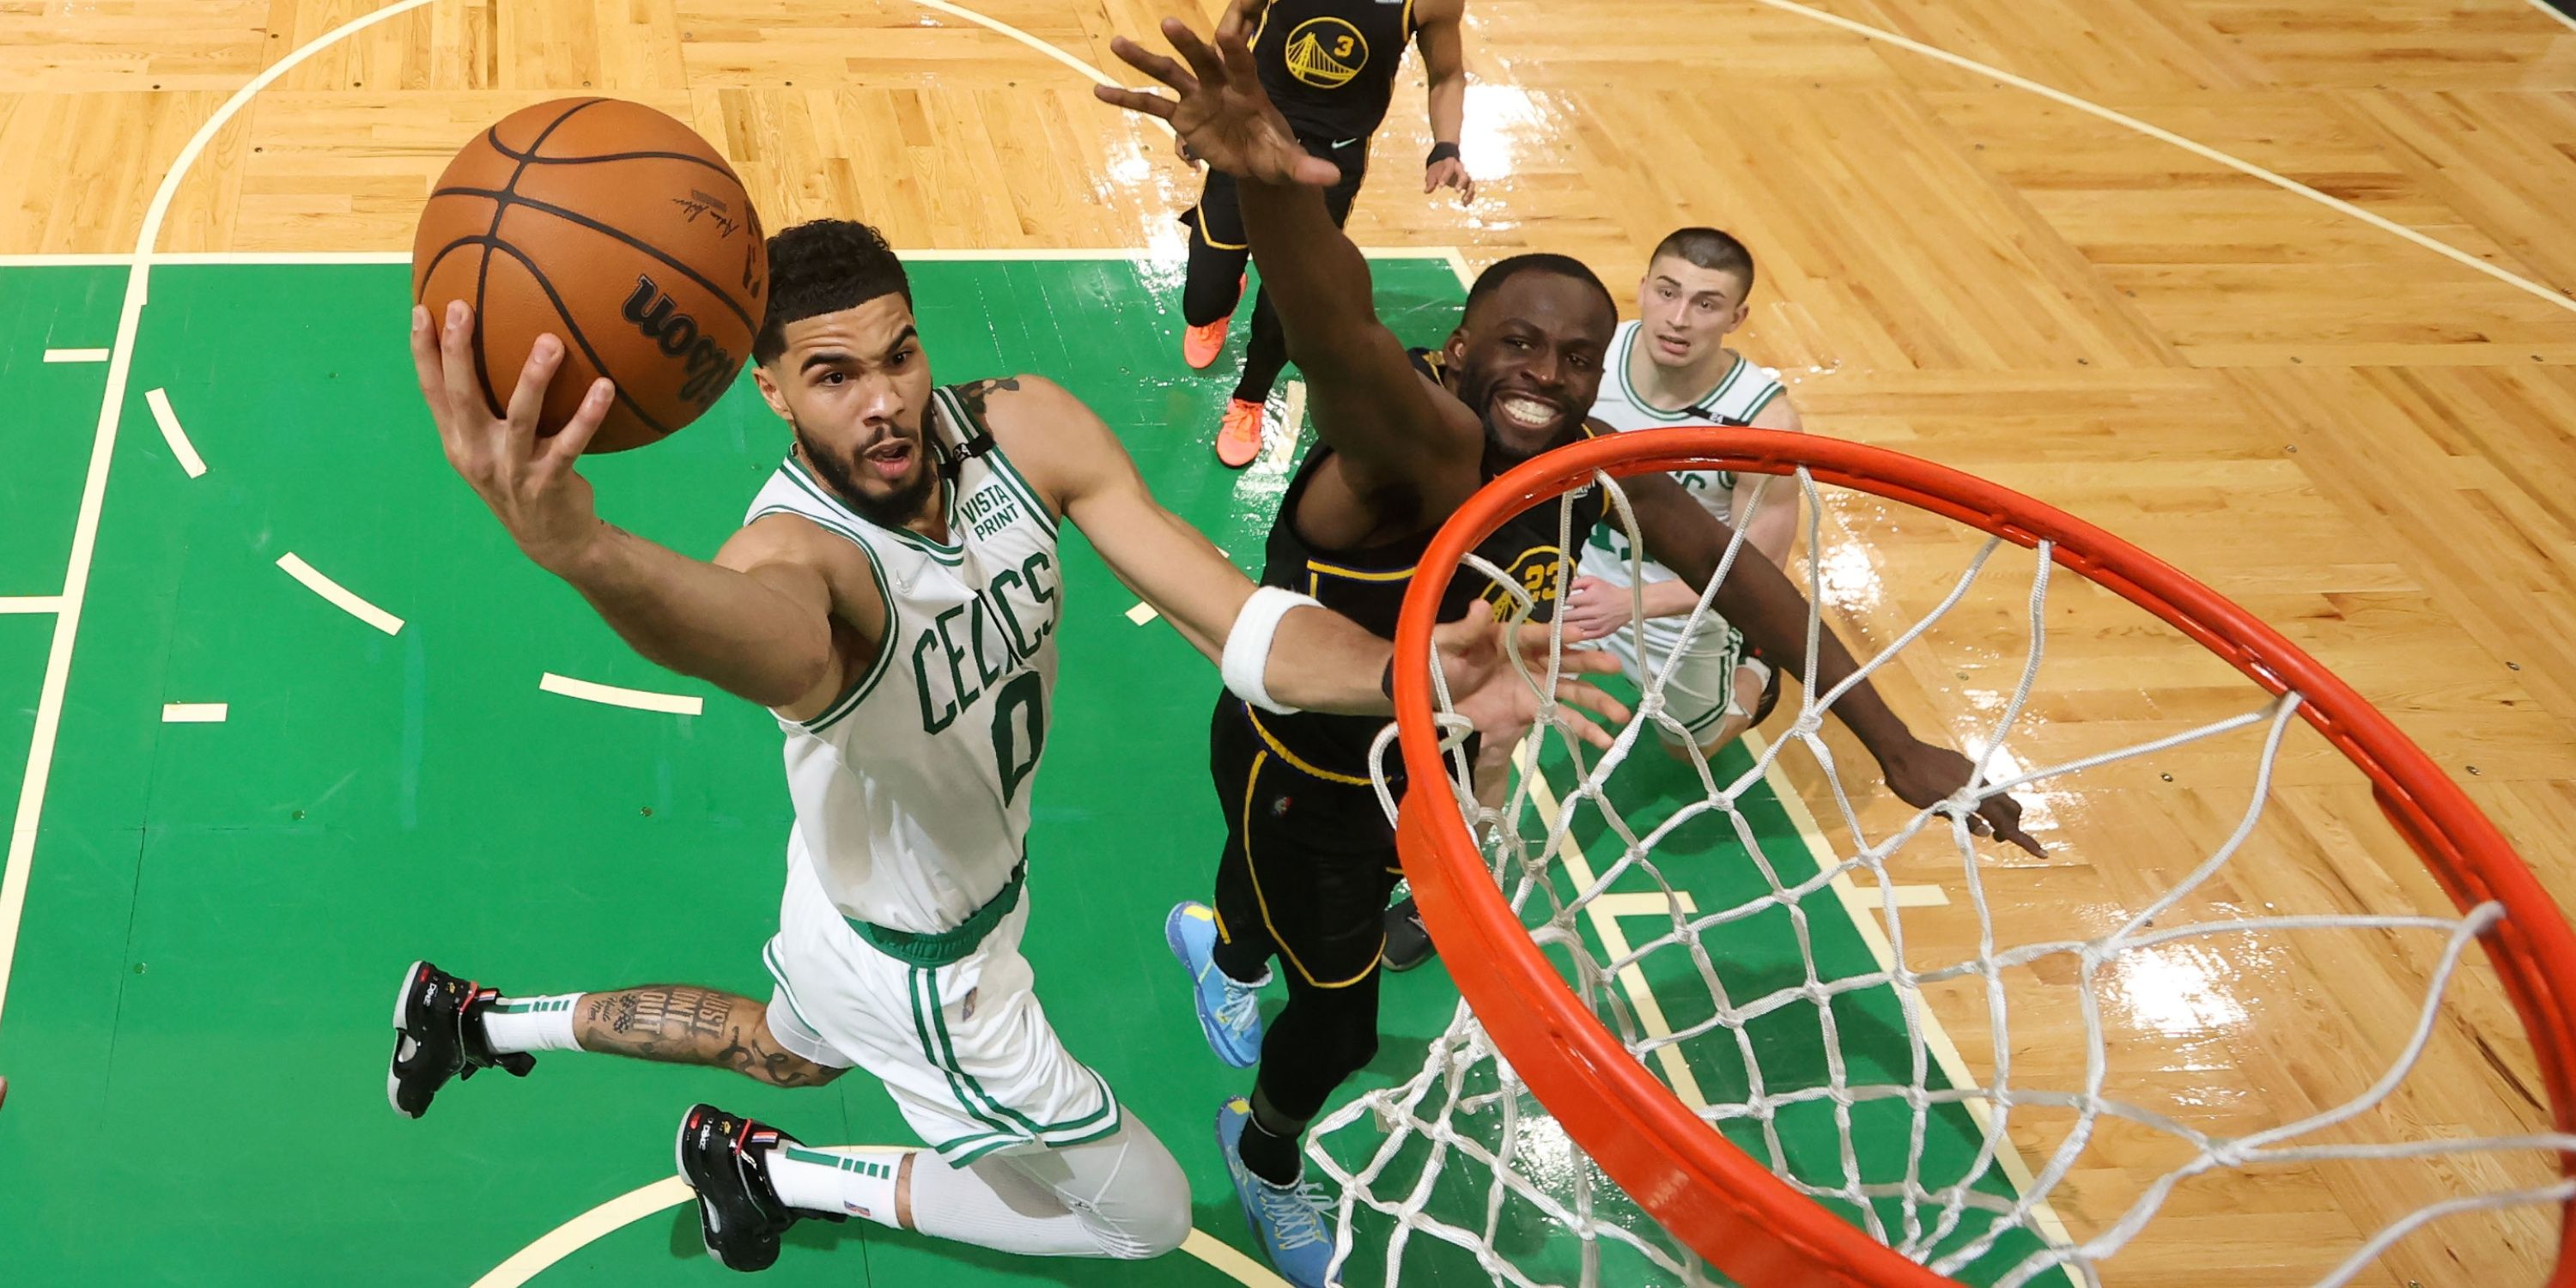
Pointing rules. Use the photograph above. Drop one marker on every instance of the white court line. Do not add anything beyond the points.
(670, 1191)
(76, 355)
(31, 603)
(678, 704)
(172, 434)
(2545, 7)
(1907, 896)
(194, 712)
(1142, 613)
(2201, 150)
(920, 256)
(111, 406)
(338, 594)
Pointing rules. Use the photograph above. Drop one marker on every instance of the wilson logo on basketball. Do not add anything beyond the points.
(658, 317)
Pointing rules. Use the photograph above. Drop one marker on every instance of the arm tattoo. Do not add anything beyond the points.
(973, 393)
(679, 1024)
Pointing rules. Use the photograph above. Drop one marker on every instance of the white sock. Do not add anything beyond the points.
(513, 1024)
(857, 1181)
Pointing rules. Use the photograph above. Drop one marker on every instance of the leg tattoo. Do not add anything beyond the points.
(681, 1024)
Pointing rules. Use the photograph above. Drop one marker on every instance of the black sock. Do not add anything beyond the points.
(1240, 961)
(1272, 1158)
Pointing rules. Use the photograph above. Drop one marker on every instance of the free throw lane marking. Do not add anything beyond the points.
(172, 434)
(1142, 613)
(194, 712)
(31, 603)
(678, 704)
(338, 594)
(75, 355)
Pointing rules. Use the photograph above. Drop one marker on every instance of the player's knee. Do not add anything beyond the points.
(1151, 1213)
(766, 1059)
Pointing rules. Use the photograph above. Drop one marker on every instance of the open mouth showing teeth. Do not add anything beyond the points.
(889, 458)
(1526, 413)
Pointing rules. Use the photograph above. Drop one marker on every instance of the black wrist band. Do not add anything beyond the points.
(1441, 152)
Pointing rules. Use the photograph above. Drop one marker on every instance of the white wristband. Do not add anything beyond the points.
(1247, 646)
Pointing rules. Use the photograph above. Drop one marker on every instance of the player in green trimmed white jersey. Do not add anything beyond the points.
(892, 597)
(1672, 367)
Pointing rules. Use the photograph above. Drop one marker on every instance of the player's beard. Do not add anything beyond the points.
(894, 509)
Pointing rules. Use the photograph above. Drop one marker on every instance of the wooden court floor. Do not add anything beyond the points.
(2280, 292)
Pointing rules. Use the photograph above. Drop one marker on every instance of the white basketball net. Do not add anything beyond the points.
(1466, 1128)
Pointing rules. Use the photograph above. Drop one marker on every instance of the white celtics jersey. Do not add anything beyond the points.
(1740, 394)
(912, 790)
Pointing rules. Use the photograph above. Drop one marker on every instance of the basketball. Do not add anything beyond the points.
(617, 229)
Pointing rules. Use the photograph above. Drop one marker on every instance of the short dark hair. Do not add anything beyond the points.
(1709, 248)
(1492, 279)
(822, 267)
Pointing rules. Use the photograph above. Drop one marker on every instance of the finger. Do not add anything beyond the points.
(1235, 48)
(465, 397)
(1238, 17)
(1315, 172)
(1588, 661)
(574, 439)
(528, 401)
(1575, 693)
(1137, 101)
(1152, 64)
(425, 360)
(2003, 814)
(1466, 188)
(1430, 181)
(1202, 59)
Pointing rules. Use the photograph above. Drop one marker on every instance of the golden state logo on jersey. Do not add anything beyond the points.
(1326, 52)
(1540, 570)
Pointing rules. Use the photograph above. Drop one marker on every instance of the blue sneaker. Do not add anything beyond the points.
(1229, 1011)
(1288, 1219)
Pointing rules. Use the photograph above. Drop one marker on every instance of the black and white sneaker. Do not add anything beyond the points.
(1407, 944)
(438, 1035)
(725, 1158)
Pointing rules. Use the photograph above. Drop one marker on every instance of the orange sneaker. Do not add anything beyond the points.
(1201, 344)
(1240, 440)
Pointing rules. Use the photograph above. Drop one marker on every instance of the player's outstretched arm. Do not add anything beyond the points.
(1316, 659)
(756, 624)
(1395, 440)
(1759, 599)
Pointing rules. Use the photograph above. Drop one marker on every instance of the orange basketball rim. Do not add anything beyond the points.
(1726, 1205)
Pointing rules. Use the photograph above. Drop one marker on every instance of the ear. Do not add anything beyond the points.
(1455, 351)
(1742, 311)
(770, 392)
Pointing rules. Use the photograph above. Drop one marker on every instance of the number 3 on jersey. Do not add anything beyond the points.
(1019, 721)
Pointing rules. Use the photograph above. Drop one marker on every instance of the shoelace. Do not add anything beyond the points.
(1296, 1216)
(1239, 1009)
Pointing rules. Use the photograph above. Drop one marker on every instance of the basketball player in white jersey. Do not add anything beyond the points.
(893, 597)
(1672, 367)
